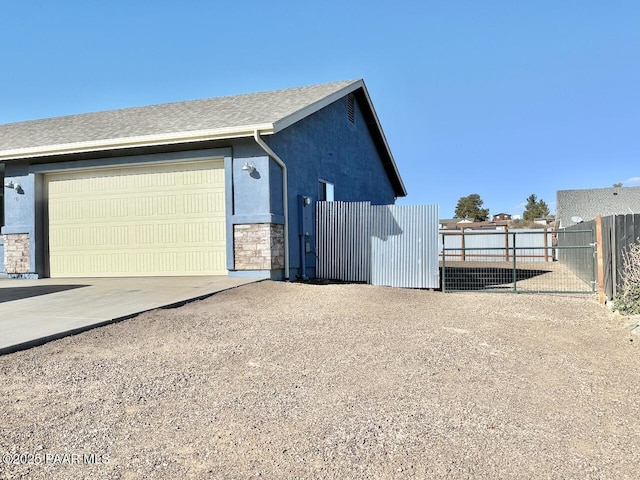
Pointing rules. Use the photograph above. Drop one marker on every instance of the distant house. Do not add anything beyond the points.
(452, 223)
(502, 216)
(444, 223)
(573, 206)
(469, 224)
(221, 186)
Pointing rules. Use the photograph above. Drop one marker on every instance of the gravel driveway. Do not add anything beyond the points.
(277, 380)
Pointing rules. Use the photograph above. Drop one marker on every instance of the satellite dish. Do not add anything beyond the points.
(576, 219)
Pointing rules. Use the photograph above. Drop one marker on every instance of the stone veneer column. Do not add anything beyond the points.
(258, 246)
(16, 253)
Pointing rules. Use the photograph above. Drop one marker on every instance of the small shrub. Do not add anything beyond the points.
(520, 223)
(628, 299)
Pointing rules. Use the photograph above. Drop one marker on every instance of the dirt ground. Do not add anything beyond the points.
(276, 380)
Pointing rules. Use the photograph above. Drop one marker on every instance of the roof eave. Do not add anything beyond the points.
(138, 141)
(402, 189)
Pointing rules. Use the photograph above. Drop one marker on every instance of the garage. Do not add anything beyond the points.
(151, 220)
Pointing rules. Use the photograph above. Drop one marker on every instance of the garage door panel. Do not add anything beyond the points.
(153, 220)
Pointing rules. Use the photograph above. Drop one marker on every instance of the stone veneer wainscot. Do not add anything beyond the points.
(16, 253)
(258, 246)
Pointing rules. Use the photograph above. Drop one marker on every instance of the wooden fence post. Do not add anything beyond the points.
(599, 245)
(506, 243)
(546, 245)
(614, 256)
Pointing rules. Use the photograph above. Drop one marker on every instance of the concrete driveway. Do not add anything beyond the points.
(33, 312)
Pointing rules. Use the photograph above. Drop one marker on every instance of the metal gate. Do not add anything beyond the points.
(531, 261)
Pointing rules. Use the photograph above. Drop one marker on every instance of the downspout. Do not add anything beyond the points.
(285, 198)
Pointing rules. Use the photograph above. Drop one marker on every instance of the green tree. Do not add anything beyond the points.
(469, 207)
(619, 184)
(535, 208)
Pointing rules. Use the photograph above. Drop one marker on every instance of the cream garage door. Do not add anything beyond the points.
(164, 220)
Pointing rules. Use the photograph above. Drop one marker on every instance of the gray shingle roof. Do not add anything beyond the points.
(196, 115)
(589, 203)
(190, 121)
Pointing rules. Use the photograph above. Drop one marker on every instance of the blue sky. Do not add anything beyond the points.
(499, 98)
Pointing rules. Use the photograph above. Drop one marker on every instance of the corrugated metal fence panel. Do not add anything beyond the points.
(490, 241)
(578, 260)
(450, 241)
(385, 245)
(342, 241)
(404, 246)
(530, 245)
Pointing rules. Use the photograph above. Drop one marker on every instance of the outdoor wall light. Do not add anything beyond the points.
(15, 186)
(249, 168)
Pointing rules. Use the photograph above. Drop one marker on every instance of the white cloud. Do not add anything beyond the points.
(632, 180)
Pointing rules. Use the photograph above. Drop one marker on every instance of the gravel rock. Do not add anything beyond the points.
(284, 380)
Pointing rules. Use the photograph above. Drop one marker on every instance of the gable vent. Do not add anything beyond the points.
(351, 108)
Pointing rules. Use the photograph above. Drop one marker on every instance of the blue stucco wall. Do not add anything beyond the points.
(248, 197)
(2, 257)
(251, 198)
(327, 146)
(23, 208)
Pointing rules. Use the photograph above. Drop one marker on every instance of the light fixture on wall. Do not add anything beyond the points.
(249, 168)
(15, 186)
